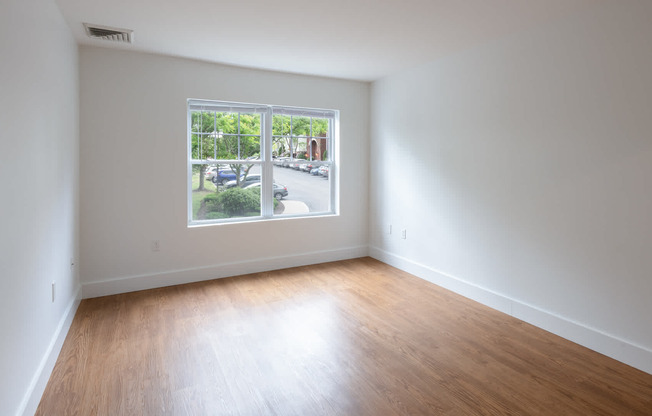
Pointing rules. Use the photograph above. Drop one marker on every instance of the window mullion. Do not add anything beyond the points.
(189, 168)
(239, 155)
(291, 141)
(333, 167)
(310, 140)
(200, 135)
(267, 204)
(214, 135)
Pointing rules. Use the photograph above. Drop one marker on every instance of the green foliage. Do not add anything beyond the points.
(299, 126)
(237, 201)
(226, 136)
(292, 128)
(211, 202)
(215, 135)
(234, 202)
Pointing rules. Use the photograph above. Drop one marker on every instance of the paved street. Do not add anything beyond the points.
(302, 186)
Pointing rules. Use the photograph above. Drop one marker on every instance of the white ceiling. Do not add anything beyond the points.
(353, 39)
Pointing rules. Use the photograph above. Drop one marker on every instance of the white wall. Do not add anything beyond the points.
(39, 174)
(134, 180)
(522, 171)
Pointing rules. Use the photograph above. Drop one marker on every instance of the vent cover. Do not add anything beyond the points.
(109, 33)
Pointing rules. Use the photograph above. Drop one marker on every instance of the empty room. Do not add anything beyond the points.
(424, 207)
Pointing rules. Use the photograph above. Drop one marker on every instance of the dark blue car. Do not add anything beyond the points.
(223, 176)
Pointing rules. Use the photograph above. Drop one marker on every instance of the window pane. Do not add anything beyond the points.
(321, 137)
(301, 126)
(281, 125)
(302, 148)
(300, 137)
(227, 192)
(320, 127)
(249, 147)
(227, 123)
(250, 123)
(227, 146)
(281, 136)
(194, 121)
(202, 121)
(237, 135)
(281, 146)
(301, 187)
(319, 149)
(194, 146)
(249, 143)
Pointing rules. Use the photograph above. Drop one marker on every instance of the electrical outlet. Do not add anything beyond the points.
(404, 234)
(54, 286)
(156, 245)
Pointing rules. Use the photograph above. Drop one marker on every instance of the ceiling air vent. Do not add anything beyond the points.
(109, 33)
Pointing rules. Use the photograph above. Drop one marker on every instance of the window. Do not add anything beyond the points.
(251, 162)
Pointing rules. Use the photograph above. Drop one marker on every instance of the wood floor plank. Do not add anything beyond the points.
(355, 337)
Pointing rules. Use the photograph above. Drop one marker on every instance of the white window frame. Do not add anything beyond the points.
(266, 161)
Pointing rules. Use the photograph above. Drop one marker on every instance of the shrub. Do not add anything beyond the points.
(233, 202)
(210, 202)
(237, 201)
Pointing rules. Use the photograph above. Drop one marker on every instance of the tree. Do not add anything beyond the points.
(292, 134)
(202, 125)
(224, 136)
(240, 141)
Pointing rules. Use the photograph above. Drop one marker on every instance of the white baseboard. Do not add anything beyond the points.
(177, 277)
(36, 388)
(627, 352)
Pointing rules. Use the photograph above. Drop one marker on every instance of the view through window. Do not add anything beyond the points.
(250, 161)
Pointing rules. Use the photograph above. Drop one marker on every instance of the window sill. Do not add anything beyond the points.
(253, 220)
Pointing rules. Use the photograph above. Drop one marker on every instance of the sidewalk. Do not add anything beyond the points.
(294, 207)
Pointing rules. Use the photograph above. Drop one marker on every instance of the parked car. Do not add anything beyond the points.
(280, 161)
(210, 172)
(323, 170)
(279, 191)
(315, 171)
(250, 179)
(307, 167)
(223, 176)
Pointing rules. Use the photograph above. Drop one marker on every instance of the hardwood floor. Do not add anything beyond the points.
(354, 337)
